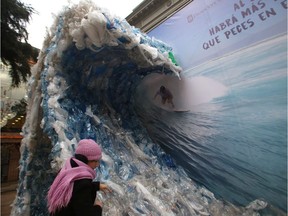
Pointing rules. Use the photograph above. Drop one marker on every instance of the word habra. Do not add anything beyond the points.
(223, 25)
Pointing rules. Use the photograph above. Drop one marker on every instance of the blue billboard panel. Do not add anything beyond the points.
(234, 82)
(207, 29)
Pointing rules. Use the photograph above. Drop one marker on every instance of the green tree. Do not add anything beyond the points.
(19, 107)
(15, 50)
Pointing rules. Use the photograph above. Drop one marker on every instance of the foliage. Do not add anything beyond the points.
(20, 107)
(14, 52)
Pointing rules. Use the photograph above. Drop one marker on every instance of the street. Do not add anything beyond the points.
(8, 193)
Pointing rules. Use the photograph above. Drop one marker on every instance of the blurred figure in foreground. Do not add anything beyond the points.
(73, 191)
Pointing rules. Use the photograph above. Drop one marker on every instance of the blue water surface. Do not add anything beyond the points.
(235, 145)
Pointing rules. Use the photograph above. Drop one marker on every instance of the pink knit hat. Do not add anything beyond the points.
(90, 149)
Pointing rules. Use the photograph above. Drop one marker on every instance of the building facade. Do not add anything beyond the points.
(150, 13)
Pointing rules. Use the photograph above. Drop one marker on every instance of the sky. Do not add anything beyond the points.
(44, 19)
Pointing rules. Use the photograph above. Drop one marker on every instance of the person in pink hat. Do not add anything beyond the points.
(73, 191)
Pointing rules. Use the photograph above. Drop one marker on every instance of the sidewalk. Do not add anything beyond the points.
(8, 193)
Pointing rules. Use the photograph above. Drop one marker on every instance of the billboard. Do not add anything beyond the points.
(234, 59)
(207, 29)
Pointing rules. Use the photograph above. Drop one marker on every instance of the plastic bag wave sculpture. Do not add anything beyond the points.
(82, 87)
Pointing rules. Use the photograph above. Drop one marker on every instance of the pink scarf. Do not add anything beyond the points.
(61, 190)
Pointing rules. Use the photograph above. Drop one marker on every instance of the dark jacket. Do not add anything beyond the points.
(82, 200)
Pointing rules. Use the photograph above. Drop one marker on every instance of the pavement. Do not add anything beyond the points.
(8, 193)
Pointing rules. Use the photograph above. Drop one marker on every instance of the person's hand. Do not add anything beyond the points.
(99, 203)
(104, 188)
